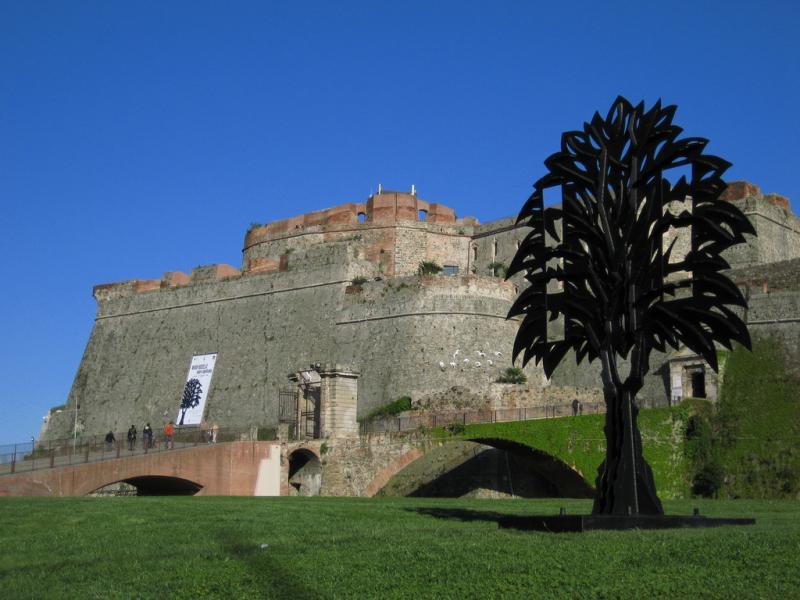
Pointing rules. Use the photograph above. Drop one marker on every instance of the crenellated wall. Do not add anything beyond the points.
(395, 233)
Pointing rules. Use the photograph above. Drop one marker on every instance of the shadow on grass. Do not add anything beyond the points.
(274, 579)
(460, 514)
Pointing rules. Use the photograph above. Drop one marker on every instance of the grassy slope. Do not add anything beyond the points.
(758, 423)
(580, 442)
(367, 548)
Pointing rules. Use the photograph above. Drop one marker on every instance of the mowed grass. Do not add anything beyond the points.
(183, 547)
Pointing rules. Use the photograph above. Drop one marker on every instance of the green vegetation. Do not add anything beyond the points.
(427, 267)
(266, 434)
(316, 548)
(390, 409)
(747, 447)
(498, 269)
(455, 428)
(580, 442)
(512, 375)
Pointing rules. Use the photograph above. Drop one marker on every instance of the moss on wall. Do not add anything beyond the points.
(580, 442)
(751, 437)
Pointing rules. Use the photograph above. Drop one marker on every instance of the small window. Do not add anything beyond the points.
(362, 217)
(474, 253)
(494, 249)
(423, 214)
(450, 269)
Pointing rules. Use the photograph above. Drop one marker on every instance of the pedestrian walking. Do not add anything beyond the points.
(132, 438)
(169, 431)
(147, 437)
(110, 439)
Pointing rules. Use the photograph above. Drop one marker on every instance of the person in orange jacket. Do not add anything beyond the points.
(169, 431)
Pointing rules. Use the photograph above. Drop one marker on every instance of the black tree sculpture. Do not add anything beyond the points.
(191, 397)
(623, 292)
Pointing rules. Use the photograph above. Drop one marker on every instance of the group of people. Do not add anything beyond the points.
(147, 437)
(577, 407)
(208, 433)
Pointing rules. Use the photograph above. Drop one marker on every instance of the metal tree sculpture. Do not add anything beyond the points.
(623, 292)
(191, 397)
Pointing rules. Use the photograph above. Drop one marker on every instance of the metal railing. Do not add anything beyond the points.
(501, 415)
(48, 454)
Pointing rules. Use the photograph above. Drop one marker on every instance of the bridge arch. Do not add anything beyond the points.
(526, 472)
(157, 485)
(305, 472)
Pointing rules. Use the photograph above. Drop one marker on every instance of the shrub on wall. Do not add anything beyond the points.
(455, 428)
(390, 409)
(512, 375)
(498, 269)
(429, 268)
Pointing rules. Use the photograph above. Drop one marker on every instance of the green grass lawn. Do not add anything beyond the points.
(387, 548)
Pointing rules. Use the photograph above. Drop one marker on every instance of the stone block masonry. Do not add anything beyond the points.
(340, 286)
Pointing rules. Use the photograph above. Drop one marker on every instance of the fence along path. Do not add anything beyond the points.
(32, 456)
(502, 415)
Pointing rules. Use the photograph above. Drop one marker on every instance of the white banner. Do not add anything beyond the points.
(198, 381)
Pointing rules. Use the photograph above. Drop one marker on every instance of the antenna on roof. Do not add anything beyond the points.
(413, 190)
(379, 188)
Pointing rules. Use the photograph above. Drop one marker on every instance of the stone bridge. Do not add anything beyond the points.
(230, 469)
(348, 466)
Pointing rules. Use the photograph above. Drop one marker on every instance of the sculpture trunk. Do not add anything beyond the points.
(624, 483)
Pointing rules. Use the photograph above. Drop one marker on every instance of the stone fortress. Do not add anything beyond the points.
(339, 289)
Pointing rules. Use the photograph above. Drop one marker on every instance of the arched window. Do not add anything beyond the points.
(423, 214)
(362, 217)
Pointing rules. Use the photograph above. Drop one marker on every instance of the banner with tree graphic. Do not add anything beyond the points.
(198, 381)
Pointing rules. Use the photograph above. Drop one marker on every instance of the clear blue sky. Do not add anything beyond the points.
(142, 137)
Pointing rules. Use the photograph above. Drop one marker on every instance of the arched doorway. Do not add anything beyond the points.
(305, 473)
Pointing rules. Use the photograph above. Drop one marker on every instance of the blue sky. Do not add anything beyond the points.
(142, 137)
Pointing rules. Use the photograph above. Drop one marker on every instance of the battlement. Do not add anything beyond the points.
(394, 231)
(170, 280)
(741, 190)
(384, 208)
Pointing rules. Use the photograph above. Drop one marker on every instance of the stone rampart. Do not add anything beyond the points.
(332, 287)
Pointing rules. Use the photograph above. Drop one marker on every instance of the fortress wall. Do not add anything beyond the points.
(262, 326)
(299, 306)
(265, 326)
(483, 249)
(403, 328)
(771, 215)
(415, 245)
(394, 249)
